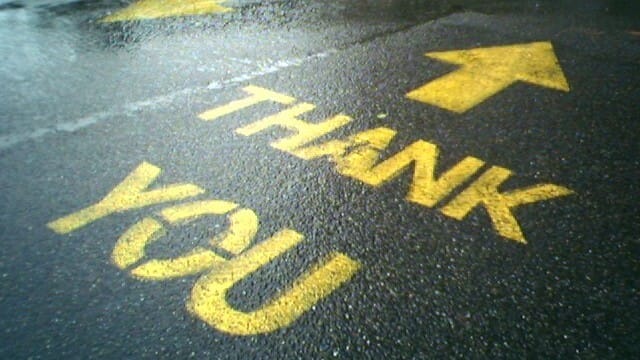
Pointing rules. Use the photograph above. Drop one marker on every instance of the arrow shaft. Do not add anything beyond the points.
(460, 90)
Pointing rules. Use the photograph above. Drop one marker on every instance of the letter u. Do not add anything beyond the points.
(208, 297)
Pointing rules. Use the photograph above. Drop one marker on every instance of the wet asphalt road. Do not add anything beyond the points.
(84, 103)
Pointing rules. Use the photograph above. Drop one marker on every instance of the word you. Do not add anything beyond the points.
(230, 257)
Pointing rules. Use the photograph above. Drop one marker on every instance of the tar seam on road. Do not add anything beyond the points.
(10, 140)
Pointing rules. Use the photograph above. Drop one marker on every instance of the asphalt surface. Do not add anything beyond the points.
(85, 103)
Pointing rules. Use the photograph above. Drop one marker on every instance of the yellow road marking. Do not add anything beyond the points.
(131, 193)
(486, 71)
(194, 262)
(360, 157)
(184, 212)
(130, 247)
(209, 295)
(304, 131)
(257, 95)
(208, 299)
(243, 226)
(153, 9)
(484, 192)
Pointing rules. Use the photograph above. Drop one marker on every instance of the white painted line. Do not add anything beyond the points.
(269, 69)
(11, 140)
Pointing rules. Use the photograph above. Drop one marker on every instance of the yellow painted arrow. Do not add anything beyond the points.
(152, 9)
(486, 71)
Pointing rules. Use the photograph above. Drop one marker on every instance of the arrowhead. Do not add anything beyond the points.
(535, 63)
(152, 9)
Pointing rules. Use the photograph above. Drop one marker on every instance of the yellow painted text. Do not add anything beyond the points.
(132, 193)
(363, 157)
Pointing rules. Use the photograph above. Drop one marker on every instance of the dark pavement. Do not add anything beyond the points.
(545, 266)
